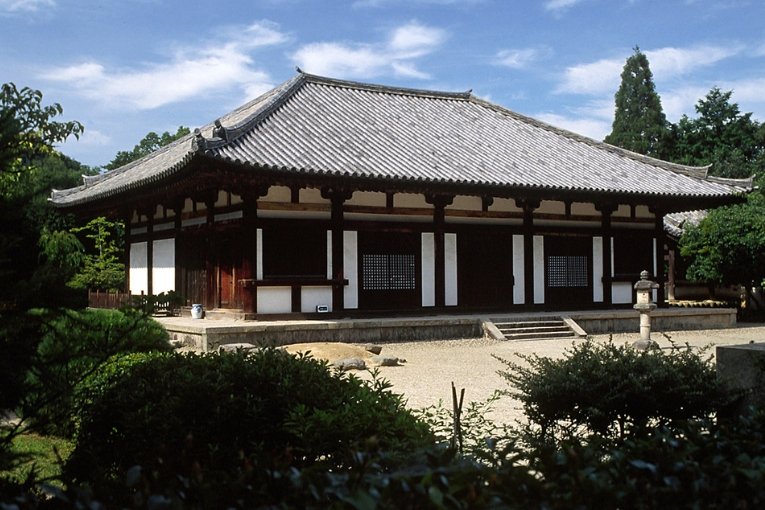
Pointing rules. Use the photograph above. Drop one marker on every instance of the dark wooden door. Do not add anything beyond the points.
(389, 266)
(568, 271)
(484, 268)
(229, 263)
(190, 256)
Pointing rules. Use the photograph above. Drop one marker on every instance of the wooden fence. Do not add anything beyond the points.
(98, 299)
(164, 304)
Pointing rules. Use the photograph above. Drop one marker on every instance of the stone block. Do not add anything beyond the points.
(742, 367)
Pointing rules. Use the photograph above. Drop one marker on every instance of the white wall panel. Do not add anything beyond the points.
(539, 270)
(259, 254)
(450, 257)
(139, 275)
(350, 265)
(163, 266)
(311, 296)
(519, 289)
(329, 254)
(597, 269)
(621, 293)
(428, 269)
(274, 300)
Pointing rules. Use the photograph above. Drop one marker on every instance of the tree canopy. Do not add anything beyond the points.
(151, 142)
(639, 122)
(731, 141)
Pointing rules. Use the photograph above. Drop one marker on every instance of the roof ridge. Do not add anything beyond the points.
(372, 87)
(697, 172)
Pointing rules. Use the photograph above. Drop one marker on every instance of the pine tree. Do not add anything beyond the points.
(639, 121)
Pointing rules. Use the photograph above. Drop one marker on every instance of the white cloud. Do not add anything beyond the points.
(560, 5)
(672, 62)
(520, 58)
(19, 6)
(188, 73)
(668, 63)
(414, 40)
(596, 129)
(364, 60)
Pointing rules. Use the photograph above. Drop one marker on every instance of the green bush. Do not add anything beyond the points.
(73, 343)
(214, 420)
(613, 391)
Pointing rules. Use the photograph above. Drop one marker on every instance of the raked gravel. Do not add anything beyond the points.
(431, 366)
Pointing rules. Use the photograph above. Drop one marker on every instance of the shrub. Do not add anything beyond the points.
(214, 420)
(613, 391)
(72, 345)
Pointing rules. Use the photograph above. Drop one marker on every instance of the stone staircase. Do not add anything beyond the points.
(538, 329)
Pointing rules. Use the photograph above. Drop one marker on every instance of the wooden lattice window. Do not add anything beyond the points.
(568, 271)
(388, 271)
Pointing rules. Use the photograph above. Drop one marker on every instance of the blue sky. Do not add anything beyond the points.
(128, 67)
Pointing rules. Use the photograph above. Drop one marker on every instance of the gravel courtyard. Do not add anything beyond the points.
(431, 366)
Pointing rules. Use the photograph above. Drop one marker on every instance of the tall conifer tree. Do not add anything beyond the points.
(639, 121)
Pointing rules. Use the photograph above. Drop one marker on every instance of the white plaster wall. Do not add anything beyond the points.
(222, 200)
(466, 203)
(642, 211)
(299, 215)
(274, 300)
(584, 209)
(597, 269)
(329, 254)
(519, 293)
(312, 196)
(425, 217)
(551, 207)
(410, 200)
(259, 254)
(163, 266)
(277, 194)
(368, 198)
(233, 215)
(350, 266)
(623, 211)
(163, 226)
(450, 258)
(428, 269)
(655, 271)
(539, 270)
(504, 205)
(311, 296)
(621, 293)
(139, 276)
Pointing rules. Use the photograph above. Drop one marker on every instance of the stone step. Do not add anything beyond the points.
(523, 324)
(534, 328)
(540, 335)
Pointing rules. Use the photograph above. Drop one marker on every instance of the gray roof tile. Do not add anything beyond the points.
(318, 125)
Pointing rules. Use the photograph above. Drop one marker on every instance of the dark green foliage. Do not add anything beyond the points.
(728, 246)
(722, 136)
(218, 419)
(639, 121)
(72, 345)
(612, 391)
(102, 267)
(146, 146)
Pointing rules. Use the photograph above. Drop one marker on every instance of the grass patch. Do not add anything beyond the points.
(40, 453)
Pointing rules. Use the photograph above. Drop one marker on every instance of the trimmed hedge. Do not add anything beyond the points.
(213, 420)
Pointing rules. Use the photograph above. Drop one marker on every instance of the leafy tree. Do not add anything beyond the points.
(728, 246)
(147, 145)
(639, 121)
(103, 268)
(732, 142)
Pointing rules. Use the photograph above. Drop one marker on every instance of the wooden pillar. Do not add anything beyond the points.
(337, 196)
(661, 300)
(528, 205)
(606, 210)
(127, 218)
(177, 206)
(439, 225)
(211, 254)
(247, 284)
(150, 250)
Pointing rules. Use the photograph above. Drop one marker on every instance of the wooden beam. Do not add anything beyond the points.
(528, 205)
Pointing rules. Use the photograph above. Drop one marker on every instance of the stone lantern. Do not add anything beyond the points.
(644, 305)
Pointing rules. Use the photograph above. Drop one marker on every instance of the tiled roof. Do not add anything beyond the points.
(321, 126)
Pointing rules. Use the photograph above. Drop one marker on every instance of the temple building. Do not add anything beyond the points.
(333, 195)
